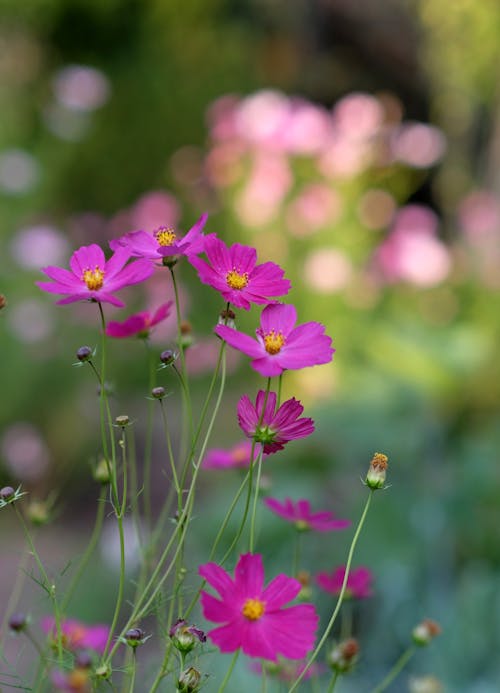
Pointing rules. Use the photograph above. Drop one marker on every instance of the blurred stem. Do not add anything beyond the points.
(171, 455)
(341, 595)
(134, 669)
(297, 552)
(259, 470)
(229, 672)
(15, 594)
(346, 621)
(184, 379)
(264, 680)
(333, 682)
(148, 447)
(96, 533)
(396, 670)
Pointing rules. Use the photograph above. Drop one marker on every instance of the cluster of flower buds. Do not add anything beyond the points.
(343, 656)
(425, 631)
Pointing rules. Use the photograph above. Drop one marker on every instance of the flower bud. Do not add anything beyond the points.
(18, 622)
(135, 637)
(167, 357)
(3, 301)
(184, 636)
(158, 392)
(304, 577)
(186, 336)
(170, 260)
(426, 684)
(103, 672)
(7, 493)
(38, 513)
(84, 353)
(227, 317)
(122, 421)
(344, 656)
(425, 632)
(101, 472)
(189, 681)
(375, 478)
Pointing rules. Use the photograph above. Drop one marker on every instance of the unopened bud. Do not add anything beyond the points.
(103, 672)
(304, 577)
(184, 636)
(158, 392)
(38, 512)
(425, 632)
(122, 421)
(84, 353)
(7, 493)
(189, 681)
(101, 472)
(167, 357)
(344, 656)
(186, 336)
(227, 317)
(18, 622)
(3, 301)
(375, 478)
(135, 637)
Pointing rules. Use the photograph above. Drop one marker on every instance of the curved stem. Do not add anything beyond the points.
(333, 682)
(229, 672)
(341, 595)
(396, 669)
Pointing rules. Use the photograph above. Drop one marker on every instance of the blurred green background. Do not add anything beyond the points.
(358, 145)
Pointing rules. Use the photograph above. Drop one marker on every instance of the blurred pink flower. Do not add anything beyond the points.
(81, 88)
(139, 324)
(316, 206)
(269, 180)
(78, 635)
(234, 272)
(358, 116)
(39, 245)
(300, 514)
(359, 582)
(25, 452)
(155, 208)
(479, 214)
(163, 242)
(261, 118)
(272, 427)
(236, 456)
(253, 615)
(93, 278)
(327, 270)
(418, 145)
(280, 345)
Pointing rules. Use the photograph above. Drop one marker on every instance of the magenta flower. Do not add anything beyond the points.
(77, 635)
(236, 456)
(93, 278)
(270, 427)
(280, 345)
(163, 242)
(233, 271)
(252, 614)
(300, 514)
(359, 582)
(139, 324)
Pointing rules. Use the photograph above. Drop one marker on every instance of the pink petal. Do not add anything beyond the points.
(281, 590)
(215, 610)
(218, 254)
(256, 641)
(161, 313)
(135, 272)
(269, 399)
(62, 276)
(218, 578)
(249, 575)
(268, 366)
(292, 631)
(243, 258)
(239, 340)
(87, 257)
(116, 262)
(227, 638)
(280, 318)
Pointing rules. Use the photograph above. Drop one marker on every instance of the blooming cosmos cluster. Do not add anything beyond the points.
(253, 617)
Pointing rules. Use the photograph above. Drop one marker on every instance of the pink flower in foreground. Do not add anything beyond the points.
(273, 428)
(163, 242)
(77, 635)
(300, 514)
(93, 278)
(139, 324)
(280, 345)
(236, 456)
(359, 582)
(253, 615)
(233, 271)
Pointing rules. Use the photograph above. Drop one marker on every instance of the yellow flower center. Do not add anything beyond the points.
(93, 278)
(240, 454)
(273, 341)
(165, 236)
(237, 280)
(253, 609)
(77, 679)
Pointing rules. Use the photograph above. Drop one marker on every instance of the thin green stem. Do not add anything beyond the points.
(187, 394)
(297, 552)
(148, 447)
(229, 672)
(396, 670)
(341, 595)
(333, 681)
(171, 454)
(255, 500)
(134, 670)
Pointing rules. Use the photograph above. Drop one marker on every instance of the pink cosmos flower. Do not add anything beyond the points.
(280, 345)
(300, 514)
(270, 427)
(359, 582)
(139, 324)
(77, 635)
(252, 614)
(163, 242)
(93, 278)
(236, 456)
(233, 271)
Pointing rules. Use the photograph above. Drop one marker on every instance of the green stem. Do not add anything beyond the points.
(134, 669)
(333, 682)
(255, 500)
(171, 455)
(297, 552)
(229, 672)
(341, 595)
(396, 670)
(149, 440)
(187, 394)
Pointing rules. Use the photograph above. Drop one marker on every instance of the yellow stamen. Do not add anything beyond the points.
(273, 341)
(253, 609)
(237, 280)
(165, 236)
(93, 278)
